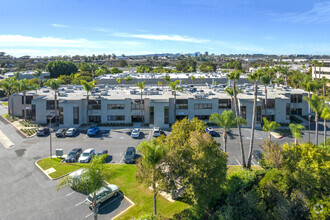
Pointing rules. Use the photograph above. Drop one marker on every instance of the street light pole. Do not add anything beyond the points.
(50, 137)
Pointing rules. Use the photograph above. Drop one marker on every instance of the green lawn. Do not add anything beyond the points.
(234, 168)
(123, 175)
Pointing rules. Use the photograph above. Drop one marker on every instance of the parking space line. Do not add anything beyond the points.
(69, 194)
(237, 161)
(253, 163)
(150, 132)
(106, 204)
(122, 159)
(79, 203)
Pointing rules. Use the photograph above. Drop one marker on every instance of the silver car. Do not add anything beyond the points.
(86, 156)
(135, 133)
(103, 194)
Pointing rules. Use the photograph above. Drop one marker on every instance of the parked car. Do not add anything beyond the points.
(61, 132)
(101, 152)
(92, 131)
(156, 132)
(42, 131)
(135, 133)
(130, 155)
(103, 194)
(87, 155)
(74, 155)
(210, 130)
(71, 132)
(257, 155)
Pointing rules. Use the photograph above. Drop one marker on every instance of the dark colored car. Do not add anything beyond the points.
(61, 132)
(74, 155)
(42, 131)
(130, 155)
(101, 152)
(92, 131)
(257, 155)
(210, 130)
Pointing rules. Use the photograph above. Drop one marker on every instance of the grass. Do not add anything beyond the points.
(123, 175)
(233, 168)
(5, 103)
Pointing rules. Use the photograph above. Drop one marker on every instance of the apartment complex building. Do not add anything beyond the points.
(113, 104)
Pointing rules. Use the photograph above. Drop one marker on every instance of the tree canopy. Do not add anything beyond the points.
(57, 68)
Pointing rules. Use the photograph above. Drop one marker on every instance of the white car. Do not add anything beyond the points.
(103, 194)
(87, 155)
(135, 133)
(156, 132)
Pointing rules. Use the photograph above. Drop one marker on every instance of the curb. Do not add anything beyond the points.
(15, 127)
(49, 177)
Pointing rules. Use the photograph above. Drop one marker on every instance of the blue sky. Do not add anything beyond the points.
(85, 27)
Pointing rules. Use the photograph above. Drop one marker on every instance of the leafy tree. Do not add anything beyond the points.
(24, 86)
(193, 156)
(149, 166)
(54, 84)
(226, 121)
(115, 70)
(65, 79)
(207, 67)
(58, 68)
(272, 157)
(39, 65)
(192, 79)
(316, 104)
(186, 66)
(91, 180)
(144, 69)
(9, 86)
(21, 65)
(88, 86)
(233, 64)
(122, 63)
(175, 88)
(234, 76)
(128, 78)
(38, 74)
(296, 131)
(269, 126)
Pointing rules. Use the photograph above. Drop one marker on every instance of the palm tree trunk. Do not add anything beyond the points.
(239, 126)
(8, 96)
(269, 136)
(315, 70)
(309, 118)
(142, 110)
(56, 108)
(155, 193)
(325, 131)
(87, 99)
(253, 125)
(225, 139)
(323, 89)
(316, 128)
(174, 105)
(24, 101)
(266, 101)
(295, 141)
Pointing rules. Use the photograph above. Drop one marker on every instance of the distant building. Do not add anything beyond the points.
(322, 71)
(27, 75)
(206, 53)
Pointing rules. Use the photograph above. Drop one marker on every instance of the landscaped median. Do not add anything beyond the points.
(123, 176)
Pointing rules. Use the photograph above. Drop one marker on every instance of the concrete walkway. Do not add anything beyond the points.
(5, 141)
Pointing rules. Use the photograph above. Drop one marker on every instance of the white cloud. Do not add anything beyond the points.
(320, 13)
(162, 37)
(60, 26)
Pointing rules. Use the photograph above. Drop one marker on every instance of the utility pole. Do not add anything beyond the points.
(50, 136)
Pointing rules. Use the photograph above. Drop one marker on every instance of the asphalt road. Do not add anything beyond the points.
(26, 193)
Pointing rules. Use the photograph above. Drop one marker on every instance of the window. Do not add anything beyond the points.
(203, 106)
(182, 103)
(166, 115)
(116, 117)
(224, 103)
(50, 104)
(152, 114)
(28, 99)
(96, 119)
(243, 111)
(33, 112)
(296, 111)
(296, 98)
(116, 106)
(270, 103)
(94, 104)
(202, 117)
(287, 109)
(137, 105)
(75, 115)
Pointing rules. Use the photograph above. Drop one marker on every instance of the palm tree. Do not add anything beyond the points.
(54, 84)
(226, 121)
(24, 86)
(266, 79)
(269, 126)
(314, 63)
(141, 86)
(9, 86)
(90, 181)
(253, 78)
(324, 81)
(38, 74)
(167, 79)
(234, 76)
(309, 86)
(118, 80)
(88, 86)
(296, 131)
(128, 78)
(174, 87)
(320, 65)
(93, 67)
(161, 83)
(17, 75)
(192, 79)
(152, 155)
(316, 104)
(326, 116)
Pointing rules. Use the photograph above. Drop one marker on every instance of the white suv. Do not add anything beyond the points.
(156, 132)
(102, 194)
(86, 156)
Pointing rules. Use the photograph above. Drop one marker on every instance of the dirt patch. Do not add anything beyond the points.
(20, 152)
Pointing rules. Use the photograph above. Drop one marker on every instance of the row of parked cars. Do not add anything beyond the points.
(62, 132)
(77, 155)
